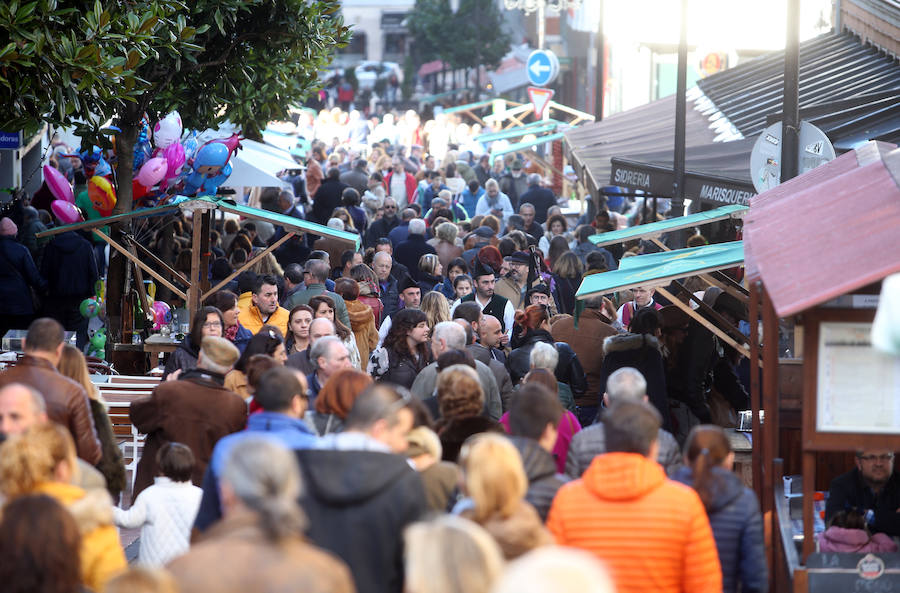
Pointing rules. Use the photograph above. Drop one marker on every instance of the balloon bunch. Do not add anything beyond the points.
(91, 308)
(63, 206)
(162, 314)
(210, 167)
(168, 158)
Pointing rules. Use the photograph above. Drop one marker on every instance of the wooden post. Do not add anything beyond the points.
(196, 245)
(770, 399)
(205, 251)
(755, 399)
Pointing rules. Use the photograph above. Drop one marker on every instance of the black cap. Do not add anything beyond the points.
(519, 257)
(406, 282)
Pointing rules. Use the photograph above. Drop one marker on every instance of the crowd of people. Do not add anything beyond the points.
(427, 413)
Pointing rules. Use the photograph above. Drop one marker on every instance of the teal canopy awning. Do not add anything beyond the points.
(540, 127)
(662, 268)
(654, 229)
(467, 106)
(288, 222)
(520, 146)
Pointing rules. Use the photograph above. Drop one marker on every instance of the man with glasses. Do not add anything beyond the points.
(872, 489)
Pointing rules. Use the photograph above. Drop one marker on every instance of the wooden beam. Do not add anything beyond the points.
(246, 265)
(153, 257)
(140, 264)
(770, 398)
(704, 322)
(142, 292)
(712, 279)
(194, 288)
(755, 394)
(107, 220)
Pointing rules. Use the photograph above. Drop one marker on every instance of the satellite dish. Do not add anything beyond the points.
(765, 159)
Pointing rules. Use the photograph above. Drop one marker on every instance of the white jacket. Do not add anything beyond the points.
(165, 512)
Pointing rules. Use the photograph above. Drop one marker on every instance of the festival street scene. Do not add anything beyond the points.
(449, 296)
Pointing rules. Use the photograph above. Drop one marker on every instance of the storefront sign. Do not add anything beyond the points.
(657, 180)
(10, 140)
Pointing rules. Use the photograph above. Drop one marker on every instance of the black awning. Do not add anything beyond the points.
(835, 70)
(650, 127)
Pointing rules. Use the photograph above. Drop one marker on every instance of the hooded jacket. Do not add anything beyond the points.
(641, 352)
(652, 533)
(738, 530)
(543, 481)
(101, 554)
(358, 504)
(362, 322)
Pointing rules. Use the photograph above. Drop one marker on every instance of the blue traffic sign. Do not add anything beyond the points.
(542, 67)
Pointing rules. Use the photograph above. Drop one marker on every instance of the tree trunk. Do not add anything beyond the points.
(125, 141)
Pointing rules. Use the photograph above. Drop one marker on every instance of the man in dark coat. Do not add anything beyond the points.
(357, 177)
(383, 226)
(360, 494)
(400, 232)
(66, 400)
(514, 184)
(71, 272)
(17, 274)
(327, 197)
(195, 410)
(541, 198)
(871, 487)
(387, 284)
(410, 251)
(490, 302)
(533, 423)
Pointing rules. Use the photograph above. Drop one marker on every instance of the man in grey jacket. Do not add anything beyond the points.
(626, 384)
(449, 335)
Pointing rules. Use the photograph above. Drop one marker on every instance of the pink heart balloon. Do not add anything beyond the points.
(152, 172)
(66, 212)
(58, 184)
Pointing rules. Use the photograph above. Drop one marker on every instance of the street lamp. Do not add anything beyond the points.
(539, 6)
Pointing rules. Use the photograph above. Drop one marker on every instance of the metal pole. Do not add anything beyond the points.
(837, 16)
(599, 75)
(677, 237)
(790, 122)
(541, 24)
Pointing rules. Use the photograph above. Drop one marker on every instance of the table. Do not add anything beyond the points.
(157, 346)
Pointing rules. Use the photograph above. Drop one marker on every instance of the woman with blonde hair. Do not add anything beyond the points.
(495, 483)
(73, 365)
(436, 308)
(450, 555)
(431, 273)
(42, 461)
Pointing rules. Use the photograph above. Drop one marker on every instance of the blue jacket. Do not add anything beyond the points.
(287, 431)
(737, 528)
(468, 200)
(242, 337)
(69, 266)
(399, 233)
(17, 273)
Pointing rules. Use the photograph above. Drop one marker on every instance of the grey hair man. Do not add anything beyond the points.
(260, 486)
(329, 355)
(626, 384)
(357, 483)
(449, 335)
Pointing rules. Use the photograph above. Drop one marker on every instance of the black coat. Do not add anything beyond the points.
(408, 253)
(642, 353)
(379, 229)
(327, 198)
(541, 198)
(568, 369)
(69, 266)
(688, 379)
(848, 492)
(738, 530)
(358, 503)
(17, 273)
(455, 431)
(390, 297)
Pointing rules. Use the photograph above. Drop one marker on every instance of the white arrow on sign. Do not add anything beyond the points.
(537, 68)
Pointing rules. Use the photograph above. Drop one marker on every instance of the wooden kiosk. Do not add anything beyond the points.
(817, 249)
(195, 288)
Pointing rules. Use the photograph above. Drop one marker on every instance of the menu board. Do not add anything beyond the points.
(858, 387)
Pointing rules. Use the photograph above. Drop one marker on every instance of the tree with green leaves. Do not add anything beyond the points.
(83, 63)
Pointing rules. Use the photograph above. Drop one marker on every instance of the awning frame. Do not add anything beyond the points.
(655, 229)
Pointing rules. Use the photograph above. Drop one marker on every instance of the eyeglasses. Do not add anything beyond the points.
(882, 458)
(211, 325)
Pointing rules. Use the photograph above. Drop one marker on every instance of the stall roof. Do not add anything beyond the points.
(520, 146)
(834, 67)
(829, 231)
(662, 268)
(288, 222)
(539, 127)
(654, 229)
(646, 128)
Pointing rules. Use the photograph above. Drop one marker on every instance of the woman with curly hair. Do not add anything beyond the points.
(405, 350)
(323, 306)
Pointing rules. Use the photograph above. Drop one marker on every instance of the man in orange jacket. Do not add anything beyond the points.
(651, 532)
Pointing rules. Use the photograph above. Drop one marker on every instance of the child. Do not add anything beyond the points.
(165, 511)
(847, 532)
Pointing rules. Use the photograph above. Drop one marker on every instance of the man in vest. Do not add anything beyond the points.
(491, 304)
(642, 298)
